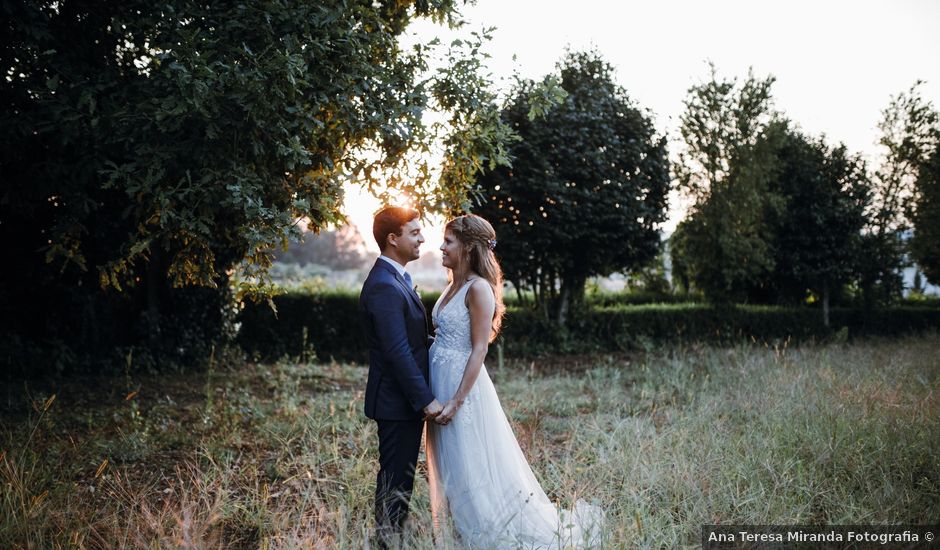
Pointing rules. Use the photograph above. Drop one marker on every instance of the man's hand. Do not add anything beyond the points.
(433, 409)
(447, 414)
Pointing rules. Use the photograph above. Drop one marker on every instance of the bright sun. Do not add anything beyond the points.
(360, 206)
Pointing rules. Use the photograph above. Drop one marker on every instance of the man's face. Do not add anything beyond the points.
(407, 245)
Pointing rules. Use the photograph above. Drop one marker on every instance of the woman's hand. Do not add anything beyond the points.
(450, 409)
(433, 409)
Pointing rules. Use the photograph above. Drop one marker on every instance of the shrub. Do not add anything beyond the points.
(331, 322)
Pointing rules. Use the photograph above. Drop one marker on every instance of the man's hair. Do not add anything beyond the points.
(390, 220)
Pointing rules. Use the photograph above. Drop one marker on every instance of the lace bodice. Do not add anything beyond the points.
(451, 349)
(452, 322)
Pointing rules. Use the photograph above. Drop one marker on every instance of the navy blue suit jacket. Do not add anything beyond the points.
(395, 326)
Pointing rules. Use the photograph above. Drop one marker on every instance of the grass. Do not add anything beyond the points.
(280, 456)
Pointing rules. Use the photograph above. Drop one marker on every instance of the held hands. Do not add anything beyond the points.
(447, 414)
(432, 410)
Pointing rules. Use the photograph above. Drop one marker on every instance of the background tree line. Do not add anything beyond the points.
(155, 157)
(782, 217)
(778, 216)
(339, 249)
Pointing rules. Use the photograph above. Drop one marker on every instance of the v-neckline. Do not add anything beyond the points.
(443, 305)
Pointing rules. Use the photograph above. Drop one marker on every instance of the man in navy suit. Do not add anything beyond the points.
(398, 394)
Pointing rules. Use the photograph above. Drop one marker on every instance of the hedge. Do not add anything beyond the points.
(630, 327)
(327, 325)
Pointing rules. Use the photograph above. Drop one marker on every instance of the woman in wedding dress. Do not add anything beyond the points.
(477, 471)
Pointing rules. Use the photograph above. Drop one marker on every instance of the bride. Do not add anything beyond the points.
(476, 469)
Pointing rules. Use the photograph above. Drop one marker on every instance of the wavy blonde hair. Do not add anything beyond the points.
(479, 238)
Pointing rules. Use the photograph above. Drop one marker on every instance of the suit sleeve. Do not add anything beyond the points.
(387, 307)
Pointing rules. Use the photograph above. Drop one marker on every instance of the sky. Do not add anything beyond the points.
(836, 62)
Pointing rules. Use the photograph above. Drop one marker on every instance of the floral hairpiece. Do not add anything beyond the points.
(491, 243)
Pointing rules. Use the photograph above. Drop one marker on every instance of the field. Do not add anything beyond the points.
(280, 455)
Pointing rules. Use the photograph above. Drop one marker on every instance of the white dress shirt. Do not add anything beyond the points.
(398, 267)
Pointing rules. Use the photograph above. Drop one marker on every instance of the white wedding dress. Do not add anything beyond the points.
(477, 471)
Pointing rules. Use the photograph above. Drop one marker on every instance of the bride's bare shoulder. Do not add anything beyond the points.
(480, 292)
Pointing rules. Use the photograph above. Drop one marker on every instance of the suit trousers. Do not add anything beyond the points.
(399, 443)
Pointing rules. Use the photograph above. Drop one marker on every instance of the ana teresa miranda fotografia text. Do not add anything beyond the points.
(801, 536)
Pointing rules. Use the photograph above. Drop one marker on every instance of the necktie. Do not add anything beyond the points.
(411, 287)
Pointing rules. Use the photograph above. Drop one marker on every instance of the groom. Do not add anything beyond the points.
(398, 396)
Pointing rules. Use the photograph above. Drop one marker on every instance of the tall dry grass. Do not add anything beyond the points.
(280, 456)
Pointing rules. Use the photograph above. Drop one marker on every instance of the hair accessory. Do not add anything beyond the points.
(491, 243)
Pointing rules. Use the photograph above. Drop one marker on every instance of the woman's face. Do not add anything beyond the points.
(451, 251)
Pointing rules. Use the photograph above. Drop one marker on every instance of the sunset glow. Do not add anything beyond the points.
(359, 206)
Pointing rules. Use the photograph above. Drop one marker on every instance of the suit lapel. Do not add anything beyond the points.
(409, 291)
(382, 264)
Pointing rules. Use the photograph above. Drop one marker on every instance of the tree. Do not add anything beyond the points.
(925, 245)
(151, 150)
(651, 277)
(586, 191)
(818, 232)
(726, 167)
(679, 259)
(909, 134)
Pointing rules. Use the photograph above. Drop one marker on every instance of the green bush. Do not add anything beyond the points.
(916, 299)
(621, 328)
(327, 325)
(324, 323)
(639, 297)
(98, 331)
(606, 299)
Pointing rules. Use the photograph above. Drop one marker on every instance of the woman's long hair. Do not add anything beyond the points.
(479, 240)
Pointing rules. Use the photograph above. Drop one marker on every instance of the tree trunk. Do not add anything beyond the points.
(572, 297)
(825, 301)
(155, 281)
(562, 316)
